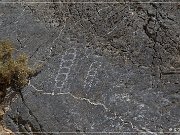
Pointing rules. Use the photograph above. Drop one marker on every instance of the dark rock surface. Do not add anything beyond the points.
(109, 67)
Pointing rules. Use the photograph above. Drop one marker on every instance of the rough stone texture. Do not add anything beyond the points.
(109, 67)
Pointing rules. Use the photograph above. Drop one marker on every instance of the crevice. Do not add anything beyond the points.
(30, 112)
(21, 46)
(21, 123)
(170, 72)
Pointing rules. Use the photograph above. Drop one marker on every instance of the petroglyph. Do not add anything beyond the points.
(65, 66)
(63, 78)
(91, 74)
(66, 74)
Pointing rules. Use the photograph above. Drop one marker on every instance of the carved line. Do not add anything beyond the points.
(66, 67)
(92, 76)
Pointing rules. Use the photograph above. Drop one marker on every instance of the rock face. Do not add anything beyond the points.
(109, 67)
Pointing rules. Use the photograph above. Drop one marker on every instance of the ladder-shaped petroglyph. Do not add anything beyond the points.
(70, 61)
(67, 62)
(91, 75)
